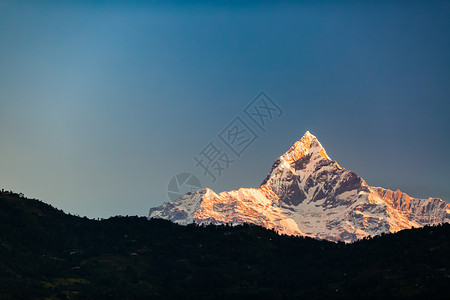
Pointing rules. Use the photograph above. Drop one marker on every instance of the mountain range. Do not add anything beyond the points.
(306, 193)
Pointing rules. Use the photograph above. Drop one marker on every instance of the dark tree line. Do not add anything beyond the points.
(45, 253)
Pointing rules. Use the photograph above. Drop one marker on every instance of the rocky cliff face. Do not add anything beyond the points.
(307, 193)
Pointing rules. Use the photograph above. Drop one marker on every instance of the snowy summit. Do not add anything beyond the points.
(307, 193)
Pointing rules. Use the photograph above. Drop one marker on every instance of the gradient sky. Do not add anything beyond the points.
(102, 103)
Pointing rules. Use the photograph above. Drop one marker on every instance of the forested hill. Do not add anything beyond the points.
(47, 254)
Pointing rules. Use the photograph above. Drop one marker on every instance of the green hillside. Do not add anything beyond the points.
(47, 254)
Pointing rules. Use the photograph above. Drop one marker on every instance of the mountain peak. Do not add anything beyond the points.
(308, 144)
(308, 194)
(307, 133)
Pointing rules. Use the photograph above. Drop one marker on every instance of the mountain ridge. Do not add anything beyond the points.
(307, 193)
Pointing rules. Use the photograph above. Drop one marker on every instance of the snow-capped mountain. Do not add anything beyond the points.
(307, 193)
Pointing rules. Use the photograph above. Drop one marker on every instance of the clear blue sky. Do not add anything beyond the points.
(102, 103)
